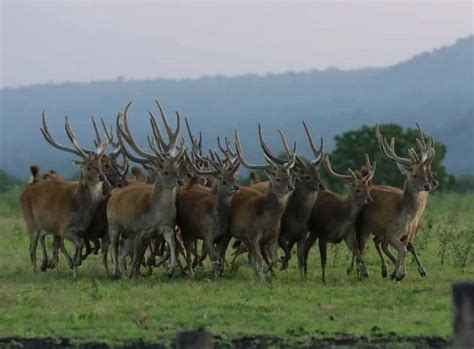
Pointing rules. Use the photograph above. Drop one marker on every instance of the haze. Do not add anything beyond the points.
(83, 41)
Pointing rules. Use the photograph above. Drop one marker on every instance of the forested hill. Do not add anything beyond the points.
(434, 88)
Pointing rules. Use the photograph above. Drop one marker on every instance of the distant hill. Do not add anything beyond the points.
(434, 88)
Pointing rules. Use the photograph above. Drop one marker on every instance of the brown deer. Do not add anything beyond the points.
(144, 211)
(395, 215)
(333, 217)
(64, 208)
(203, 214)
(294, 224)
(255, 216)
(115, 176)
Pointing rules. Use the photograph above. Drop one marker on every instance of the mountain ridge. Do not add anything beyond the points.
(434, 88)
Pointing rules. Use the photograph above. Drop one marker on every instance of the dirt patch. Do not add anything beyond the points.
(248, 342)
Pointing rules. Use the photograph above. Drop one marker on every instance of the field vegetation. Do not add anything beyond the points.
(96, 308)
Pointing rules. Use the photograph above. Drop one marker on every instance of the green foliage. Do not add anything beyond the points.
(7, 181)
(96, 308)
(351, 147)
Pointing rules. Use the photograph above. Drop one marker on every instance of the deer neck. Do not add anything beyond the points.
(221, 210)
(413, 201)
(89, 195)
(275, 204)
(352, 208)
(301, 202)
(162, 196)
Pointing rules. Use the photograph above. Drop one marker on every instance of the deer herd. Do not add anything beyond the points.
(182, 194)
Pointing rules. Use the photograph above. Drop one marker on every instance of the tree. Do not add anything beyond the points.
(351, 147)
(7, 181)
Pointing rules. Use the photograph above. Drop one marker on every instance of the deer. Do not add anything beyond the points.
(294, 223)
(255, 216)
(145, 211)
(395, 215)
(333, 217)
(62, 208)
(203, 214)
(115, 176)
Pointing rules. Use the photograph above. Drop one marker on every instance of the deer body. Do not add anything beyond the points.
(401, 210)
(333, 218)
(64, 209)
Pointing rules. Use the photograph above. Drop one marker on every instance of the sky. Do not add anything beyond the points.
(72, 40)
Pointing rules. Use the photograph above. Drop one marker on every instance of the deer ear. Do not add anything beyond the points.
(404, 169)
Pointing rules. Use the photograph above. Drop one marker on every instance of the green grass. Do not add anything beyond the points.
(95, 308)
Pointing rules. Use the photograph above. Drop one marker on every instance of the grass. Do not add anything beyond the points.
(95, 308)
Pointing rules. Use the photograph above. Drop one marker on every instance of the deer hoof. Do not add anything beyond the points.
(399, 277)
(384, 273)
(423, 272)
(44, 265)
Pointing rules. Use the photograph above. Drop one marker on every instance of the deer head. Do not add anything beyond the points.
(359, 183)
(279, 173)
(307, 173)
(114, 171)
(165, 161)
(416, 168)
(91, 161)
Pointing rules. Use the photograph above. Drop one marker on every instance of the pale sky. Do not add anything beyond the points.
(56, 41)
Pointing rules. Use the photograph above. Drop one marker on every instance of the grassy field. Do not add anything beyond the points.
(95, 308)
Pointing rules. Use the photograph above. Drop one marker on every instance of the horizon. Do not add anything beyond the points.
(82, 52)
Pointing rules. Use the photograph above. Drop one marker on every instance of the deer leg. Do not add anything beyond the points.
(44, 261)
(139, 247)
(125, 251)
(188, 246)
(323, 252)
(114, 236)
(87, 245)
(310, 241)
(378, 248)
(421, 269)
(54, 262)
(105, 251)
(221, 248)
(203, 256)
(96, 248)
(168, 235)
(400, 269)
(208, 243)
(60, 243)
(286, 246)
(34, 237)
(300, 251)
(256, 258)
(351, 242)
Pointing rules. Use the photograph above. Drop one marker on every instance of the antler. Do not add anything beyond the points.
(197, 145)
(47, 135)
(72, 137)
(370, 168)
(427, 151)
(240, 154)
(389, 149)
(172, 136)
(267, 152)
(318, 153)
(124, 131)
(327, 162)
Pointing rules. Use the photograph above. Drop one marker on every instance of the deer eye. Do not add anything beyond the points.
(415, 176)
(278, 179)
(307, 178)
(357, 191)
(166, 173)
(224, 182)
(89, 168)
